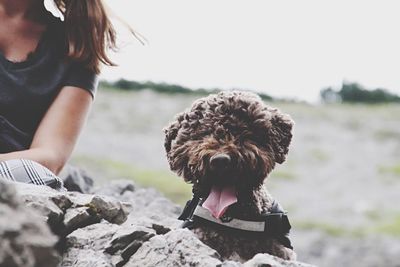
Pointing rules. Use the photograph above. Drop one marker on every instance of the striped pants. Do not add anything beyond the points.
(30, 172)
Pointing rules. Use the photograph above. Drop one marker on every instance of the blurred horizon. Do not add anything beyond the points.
(284, 49)
(348, 92)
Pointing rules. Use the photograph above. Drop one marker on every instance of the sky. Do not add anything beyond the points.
(285, 48)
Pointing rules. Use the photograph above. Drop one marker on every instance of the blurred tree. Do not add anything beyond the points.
(125, 84)
(265, 97)
(355, 93)
(164, 88)
(328, 95)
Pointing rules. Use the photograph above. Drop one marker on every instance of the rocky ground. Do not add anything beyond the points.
(340, 183)
(119, 225)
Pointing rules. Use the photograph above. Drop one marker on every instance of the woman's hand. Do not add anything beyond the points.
(58, 131)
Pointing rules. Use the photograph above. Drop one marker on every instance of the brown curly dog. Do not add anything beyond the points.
(226, 144)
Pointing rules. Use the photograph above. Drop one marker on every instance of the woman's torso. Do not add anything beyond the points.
(28, 88)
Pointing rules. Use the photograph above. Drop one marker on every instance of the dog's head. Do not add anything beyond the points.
(231, 140)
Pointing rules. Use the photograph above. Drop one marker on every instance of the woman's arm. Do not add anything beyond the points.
(58, 131)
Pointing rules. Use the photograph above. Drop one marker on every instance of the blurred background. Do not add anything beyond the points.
(333, 66)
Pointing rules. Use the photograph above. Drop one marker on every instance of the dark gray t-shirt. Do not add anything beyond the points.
(28, 88)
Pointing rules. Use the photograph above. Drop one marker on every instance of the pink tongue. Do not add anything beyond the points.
(219, 199)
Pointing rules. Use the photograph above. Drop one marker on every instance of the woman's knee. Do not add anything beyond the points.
(29, 171)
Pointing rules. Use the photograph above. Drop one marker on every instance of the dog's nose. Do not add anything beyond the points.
(220, 161)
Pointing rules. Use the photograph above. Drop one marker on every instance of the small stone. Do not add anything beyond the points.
(125, 236)
(116, 188)
(76, 179)
(110, 209)
(79, 218)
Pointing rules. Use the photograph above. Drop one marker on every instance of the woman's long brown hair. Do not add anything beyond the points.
(89, 32)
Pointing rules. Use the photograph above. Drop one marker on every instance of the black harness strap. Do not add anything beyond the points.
(189, 208)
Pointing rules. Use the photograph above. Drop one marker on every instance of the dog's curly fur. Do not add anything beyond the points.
(256, 137)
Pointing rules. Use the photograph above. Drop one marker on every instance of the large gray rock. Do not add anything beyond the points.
(25, 238)
(150, 204)
(105, 244)
(176, 248)
(85, 247)
(68, 211)
(147, 205)
(98, 230)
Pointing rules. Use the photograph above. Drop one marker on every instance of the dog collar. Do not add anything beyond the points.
(275, 223)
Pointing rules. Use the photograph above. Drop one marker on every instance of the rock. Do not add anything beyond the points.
(85, 246)
(49, 211)
(8, 194)
(153, 221)
(76, 179)
(148, 201)
(126, 242)
(176, 248)
(67, 211)
(272, 261)
(125, 236)
(80, 257)
(79, 218)
(116, 188)
(25, 238)
(108, 244)
(230, 264)
(109, 209)
(98, 230)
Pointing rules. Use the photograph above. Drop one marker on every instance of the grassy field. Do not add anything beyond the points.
(164, 181)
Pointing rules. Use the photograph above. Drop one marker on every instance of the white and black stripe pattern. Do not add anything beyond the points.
(32, 172)
(28, 171)
(5, 171)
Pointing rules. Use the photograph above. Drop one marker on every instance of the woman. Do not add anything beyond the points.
(48, 77)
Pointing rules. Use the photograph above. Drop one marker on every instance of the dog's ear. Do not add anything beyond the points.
(171, 131)
(280, 134)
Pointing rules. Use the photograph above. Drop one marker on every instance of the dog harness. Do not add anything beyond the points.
(274, 223)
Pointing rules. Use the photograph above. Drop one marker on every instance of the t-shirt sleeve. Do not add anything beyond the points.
(82, 77)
